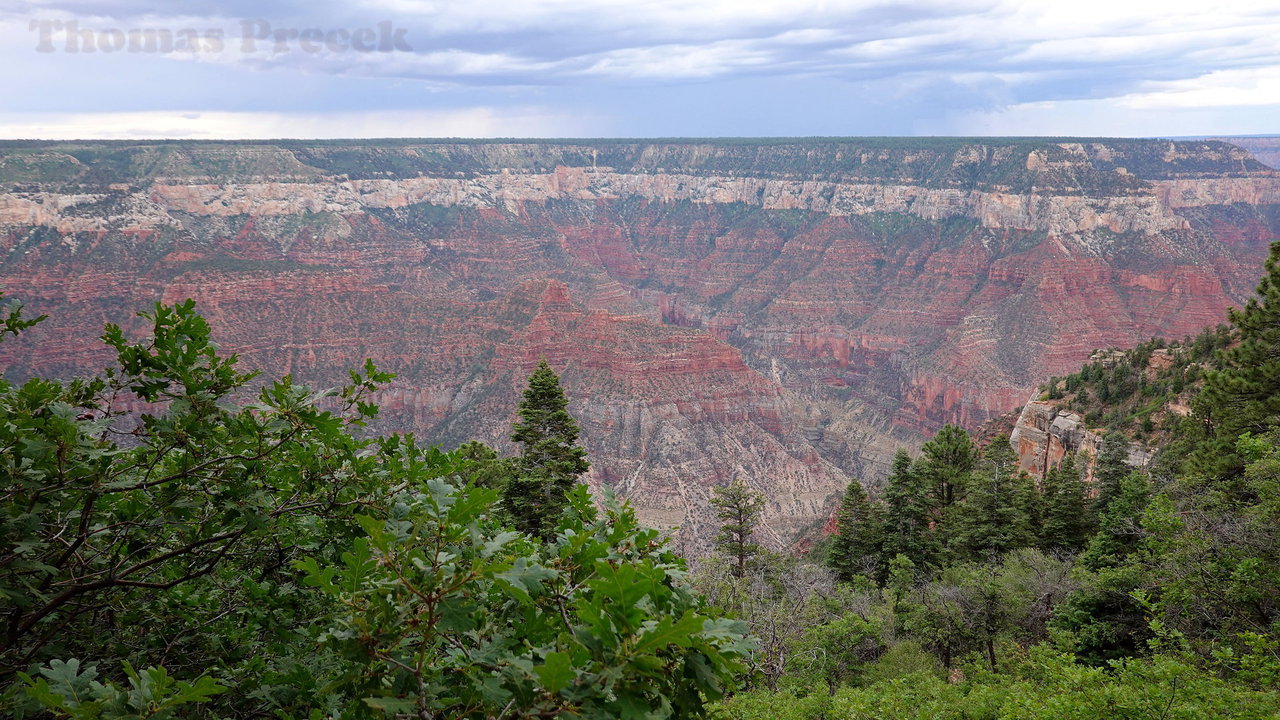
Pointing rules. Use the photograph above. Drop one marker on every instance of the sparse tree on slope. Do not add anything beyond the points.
(738, 508)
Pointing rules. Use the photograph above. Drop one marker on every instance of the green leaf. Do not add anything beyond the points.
(556, 672)
(668, 632)
(391, 705)
(524, 578)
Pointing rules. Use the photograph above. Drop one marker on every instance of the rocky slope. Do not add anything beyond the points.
(1145, 393)
(781, 311)
(1265, 149)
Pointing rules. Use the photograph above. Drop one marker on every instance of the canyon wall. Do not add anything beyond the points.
(786, 312)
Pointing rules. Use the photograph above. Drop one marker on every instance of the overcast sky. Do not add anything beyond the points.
(580, 68)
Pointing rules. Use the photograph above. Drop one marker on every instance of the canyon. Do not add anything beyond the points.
(787, 312)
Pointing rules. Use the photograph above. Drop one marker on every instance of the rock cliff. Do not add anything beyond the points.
(782, 311)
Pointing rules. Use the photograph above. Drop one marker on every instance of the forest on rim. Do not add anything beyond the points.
(228, 554)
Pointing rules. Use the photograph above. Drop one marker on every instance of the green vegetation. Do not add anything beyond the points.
(230, 556)
(219, 556)
(1131, 391)
(1072, 165)
(966, 591)
(549, 467)
(738, 509)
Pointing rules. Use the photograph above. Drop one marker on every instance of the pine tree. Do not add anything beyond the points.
(1030, 505)
(906, 515)
(482, 466)
(738, 509)
(992, 521)
(1244, 396)
(1066, 523)
(856, 546)
(949, 458)
(1110, 470)
(551, 461)
(1120, 525)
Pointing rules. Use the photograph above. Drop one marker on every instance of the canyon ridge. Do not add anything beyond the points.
(787, 312)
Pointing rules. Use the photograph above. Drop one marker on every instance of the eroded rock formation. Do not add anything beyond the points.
(782, 312)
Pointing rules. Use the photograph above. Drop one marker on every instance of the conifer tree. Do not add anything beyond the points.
(856, 546)
(1120, 525)
(482, 466)
(1066, 507)
(948, 460)
(1244, 396)
(1110, 470)
(551, 460)
(738, 508)
(906, 515)
(992, 522)
(1030, 505)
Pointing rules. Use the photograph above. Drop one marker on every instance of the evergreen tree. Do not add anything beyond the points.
(482, 466)
(906, 515)
(949, 458)
(551, 461)
(991, 522)
(1110, 470)
(738, 508)
(1120, 524)
(1066, 525)
(1030, 505)
(855, 548)
(1244, 396)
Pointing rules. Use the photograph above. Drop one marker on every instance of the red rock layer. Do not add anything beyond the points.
(706, 328)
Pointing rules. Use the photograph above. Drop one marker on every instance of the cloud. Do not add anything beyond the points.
(1220, 88)
(479, 122)
(866, 65)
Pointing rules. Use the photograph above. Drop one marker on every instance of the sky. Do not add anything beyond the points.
(636, 68)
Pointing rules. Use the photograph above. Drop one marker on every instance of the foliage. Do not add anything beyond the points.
(1129, 391)
(906, 515)
(1216, 565)
(260, 559)
(973, 606)
(738, 508)
(1040, 685)
(779, 599)
(1102, 621)
(112, 525)
(1110, 470)
(1244, 394)
(855, 549)
(948, 459)
(550, 462)
(11, 320)
(997, 514)
(1066, 508)
(67, 689)
(836, 652)
(482, 466)
(446, 613)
